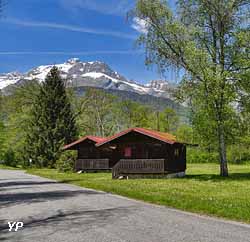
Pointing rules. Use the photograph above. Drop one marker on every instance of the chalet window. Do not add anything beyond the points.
(128, 152)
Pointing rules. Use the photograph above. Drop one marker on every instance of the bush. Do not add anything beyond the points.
(198, 155)
(9, 158)
(238, 153)
(66, 161)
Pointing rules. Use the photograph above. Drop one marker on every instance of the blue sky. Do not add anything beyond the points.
(37, 32)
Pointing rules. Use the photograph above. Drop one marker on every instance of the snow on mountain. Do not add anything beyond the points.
(89, 74)
(9, 79)
(160, 85)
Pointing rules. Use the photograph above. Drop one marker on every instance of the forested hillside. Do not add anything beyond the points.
(100, 113)
(96, 112)
(156, 103)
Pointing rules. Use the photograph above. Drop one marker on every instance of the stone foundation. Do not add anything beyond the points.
(153, 176)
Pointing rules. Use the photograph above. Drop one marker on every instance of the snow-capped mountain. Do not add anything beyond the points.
(88, 74)
(161, 85)
(9, 79)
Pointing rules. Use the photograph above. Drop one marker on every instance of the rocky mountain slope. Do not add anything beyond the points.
(89, 74)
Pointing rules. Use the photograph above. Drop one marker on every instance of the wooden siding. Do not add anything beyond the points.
(138, 166)
(92, 164)
(133, 153)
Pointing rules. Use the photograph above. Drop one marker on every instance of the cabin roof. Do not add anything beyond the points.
(164, 137)
(95, 139)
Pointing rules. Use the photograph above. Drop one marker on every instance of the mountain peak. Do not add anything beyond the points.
(88, 74)
(73, 61)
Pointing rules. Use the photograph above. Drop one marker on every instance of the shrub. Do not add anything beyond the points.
(66, 161)
(198, 155)
(9, 158)
(238, 153)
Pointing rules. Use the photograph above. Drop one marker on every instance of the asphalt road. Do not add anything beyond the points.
(59, 212)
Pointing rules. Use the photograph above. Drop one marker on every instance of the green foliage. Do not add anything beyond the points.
(132, 114)
(10, 158)
(2, 127)
(168, 120)
(112, 115)
(185, 134)
(103, 114)
(197, 155)
(26, 123)
(15, 113)
(97, 113)
(52, 122)
(209, 41)
(239, 153)
(2, 138)
(66, 161)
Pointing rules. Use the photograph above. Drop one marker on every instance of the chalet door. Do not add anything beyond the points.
(128, 152)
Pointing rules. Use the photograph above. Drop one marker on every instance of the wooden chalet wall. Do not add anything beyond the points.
(88, 150)
(144, 147)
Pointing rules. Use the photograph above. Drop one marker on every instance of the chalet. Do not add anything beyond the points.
(135, 152)
(89, 157)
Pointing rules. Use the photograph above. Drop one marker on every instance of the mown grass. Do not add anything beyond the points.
(202, 190)
(9, 167)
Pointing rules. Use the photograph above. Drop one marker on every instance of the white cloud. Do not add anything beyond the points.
(68, 28)
(139, 25)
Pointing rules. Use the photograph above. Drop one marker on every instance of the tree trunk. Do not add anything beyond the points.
(222, 152)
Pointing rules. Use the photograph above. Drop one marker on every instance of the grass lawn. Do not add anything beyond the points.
(9, 167)
(201, 191)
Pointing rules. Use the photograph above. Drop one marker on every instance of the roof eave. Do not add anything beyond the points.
(77, 142)
(111, 139)
(154, 137)
(135, 130)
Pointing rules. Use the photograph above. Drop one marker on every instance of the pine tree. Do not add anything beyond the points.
(52, 123)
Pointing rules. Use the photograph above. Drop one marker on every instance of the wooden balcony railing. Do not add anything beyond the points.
(92, 164)
(138, 166)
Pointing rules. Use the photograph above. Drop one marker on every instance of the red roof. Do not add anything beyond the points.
(164, 137)
(96, 139)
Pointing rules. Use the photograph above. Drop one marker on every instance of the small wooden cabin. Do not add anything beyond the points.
(89, 157)
(140, 152)
(135, 152)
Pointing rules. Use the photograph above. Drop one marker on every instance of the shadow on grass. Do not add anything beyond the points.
(218, 178)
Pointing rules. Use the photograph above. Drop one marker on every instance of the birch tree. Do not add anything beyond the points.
(205, 39)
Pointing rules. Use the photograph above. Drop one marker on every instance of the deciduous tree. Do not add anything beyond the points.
(206, 40)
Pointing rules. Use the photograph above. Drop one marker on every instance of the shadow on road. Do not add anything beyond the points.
(83, 219)
(31, 183)
(25, 183)
(12, 199)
